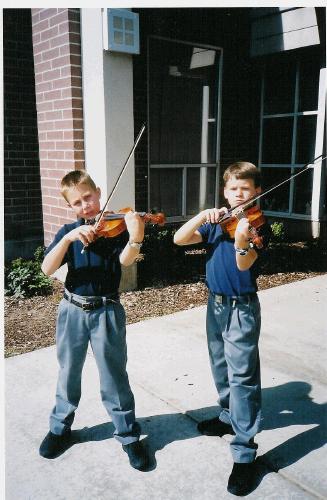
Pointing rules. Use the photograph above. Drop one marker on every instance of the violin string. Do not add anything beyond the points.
(244, 204)
(240, 215)
(121, 173)
(292, 176)
(99, 217)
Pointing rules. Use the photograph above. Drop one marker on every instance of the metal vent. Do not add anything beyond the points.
(121, 31)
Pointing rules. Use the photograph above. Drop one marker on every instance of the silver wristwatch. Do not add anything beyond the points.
(242, 251)
(135, 244)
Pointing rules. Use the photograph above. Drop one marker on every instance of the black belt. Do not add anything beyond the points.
(233, 299)
(90, 305)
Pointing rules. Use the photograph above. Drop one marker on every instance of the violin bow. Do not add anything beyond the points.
(99, 217)
(244, 204)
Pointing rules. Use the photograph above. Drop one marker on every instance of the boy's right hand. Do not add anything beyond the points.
(85, 234)
(213, 215)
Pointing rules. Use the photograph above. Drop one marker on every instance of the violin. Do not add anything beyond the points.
(112, 224)
(256, 218)
(229, 221)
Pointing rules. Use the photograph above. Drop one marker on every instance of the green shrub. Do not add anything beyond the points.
(278, 232)
(164, 262)
(24, 278)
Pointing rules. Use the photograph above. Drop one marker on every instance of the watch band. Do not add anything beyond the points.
(135, 244)
(242, 251)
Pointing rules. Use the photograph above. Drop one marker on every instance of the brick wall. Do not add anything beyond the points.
(58, 88)
(22, 192)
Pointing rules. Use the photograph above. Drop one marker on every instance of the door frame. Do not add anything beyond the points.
(218, 134)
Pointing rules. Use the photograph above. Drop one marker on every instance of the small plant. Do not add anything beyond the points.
(278, 232)
(165, 262)
(24, 278)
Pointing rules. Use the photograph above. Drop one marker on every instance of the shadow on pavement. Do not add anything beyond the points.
(291, 404)
(284, 405)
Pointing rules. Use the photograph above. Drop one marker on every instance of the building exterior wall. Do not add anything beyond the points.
(229, 29)
(108, 112)
(140, 117)
(23, 229)
(108, 120)
(276, 29)
(47, 144)
(58, 87)
(240, 89)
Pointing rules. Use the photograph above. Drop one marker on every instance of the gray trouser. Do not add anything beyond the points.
(233, 333)
(105, 329)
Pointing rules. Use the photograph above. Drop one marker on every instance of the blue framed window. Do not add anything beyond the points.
(123, 31)
(289, 114)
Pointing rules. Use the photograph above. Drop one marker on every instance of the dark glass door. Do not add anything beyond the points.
(183, 124)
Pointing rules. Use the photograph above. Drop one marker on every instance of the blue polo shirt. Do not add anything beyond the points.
(97, 271)
(222, 274)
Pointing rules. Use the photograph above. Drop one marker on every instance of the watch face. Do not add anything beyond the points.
(242, 251)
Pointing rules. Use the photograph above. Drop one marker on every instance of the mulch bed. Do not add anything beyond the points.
(30, 322)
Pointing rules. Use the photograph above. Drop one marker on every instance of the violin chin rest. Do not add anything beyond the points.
(91, 222)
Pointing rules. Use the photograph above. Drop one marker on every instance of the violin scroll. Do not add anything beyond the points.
(158, 219)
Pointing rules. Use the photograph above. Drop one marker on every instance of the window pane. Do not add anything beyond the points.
(278, 199)
(118, 36)
(118, 22)
(192, 191)
(303, 192)
(212, 135)
(306, 138)
(166, 190)
(309, 85)
(211, 188)
(129, 25)
(324, 192)
(177, 79)
(279, 88)
(277, 140)
(129, 39)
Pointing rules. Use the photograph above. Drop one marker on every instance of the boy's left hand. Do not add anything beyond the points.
(242, 233)
(135, 226)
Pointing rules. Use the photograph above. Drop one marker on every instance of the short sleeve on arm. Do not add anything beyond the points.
(60, 234)
(204, 231)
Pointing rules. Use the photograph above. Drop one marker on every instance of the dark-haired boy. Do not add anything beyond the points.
(233, 321)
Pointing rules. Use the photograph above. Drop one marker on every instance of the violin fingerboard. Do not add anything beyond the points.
(116, 216)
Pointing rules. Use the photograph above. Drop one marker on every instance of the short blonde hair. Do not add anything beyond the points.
(74, 178)
(243, 170)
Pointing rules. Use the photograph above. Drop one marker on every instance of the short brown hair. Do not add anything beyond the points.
(74, 178)
(243, 170)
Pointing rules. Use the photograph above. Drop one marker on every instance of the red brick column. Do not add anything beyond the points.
(58, 89)
(23, 229)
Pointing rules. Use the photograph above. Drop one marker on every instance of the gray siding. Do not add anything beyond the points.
(277, 29)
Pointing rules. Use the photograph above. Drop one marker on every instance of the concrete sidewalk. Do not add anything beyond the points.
(170, 376)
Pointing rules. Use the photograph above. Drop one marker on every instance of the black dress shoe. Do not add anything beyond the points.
(137, 455)
(54, 445)
(241, 480)
(215, 427)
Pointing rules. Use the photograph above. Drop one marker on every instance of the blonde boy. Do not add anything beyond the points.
(90, 311)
